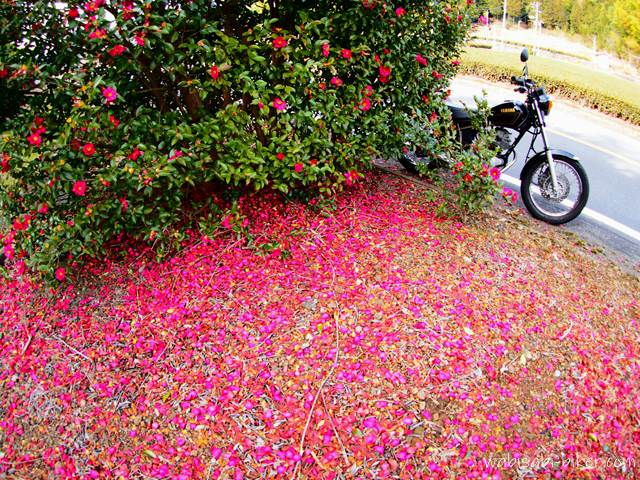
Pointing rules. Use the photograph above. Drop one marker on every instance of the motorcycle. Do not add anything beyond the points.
(553, 184)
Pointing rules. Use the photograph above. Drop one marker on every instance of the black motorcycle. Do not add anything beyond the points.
(553, 183)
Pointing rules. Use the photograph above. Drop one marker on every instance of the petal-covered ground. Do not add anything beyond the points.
(373, 341)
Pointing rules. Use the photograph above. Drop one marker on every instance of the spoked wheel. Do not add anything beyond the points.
(555, 206)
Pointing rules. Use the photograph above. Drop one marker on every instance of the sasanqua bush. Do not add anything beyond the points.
(117, 115)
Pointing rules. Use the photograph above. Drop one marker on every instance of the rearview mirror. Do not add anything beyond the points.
(524, 55)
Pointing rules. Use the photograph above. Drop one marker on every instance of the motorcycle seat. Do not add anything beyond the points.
(458, 113)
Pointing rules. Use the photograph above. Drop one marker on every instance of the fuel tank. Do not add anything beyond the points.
(510, 114)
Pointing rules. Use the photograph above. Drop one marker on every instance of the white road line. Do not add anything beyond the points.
(587, 212)
(595, 147)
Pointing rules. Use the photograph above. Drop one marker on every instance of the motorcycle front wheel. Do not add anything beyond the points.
(555, 206)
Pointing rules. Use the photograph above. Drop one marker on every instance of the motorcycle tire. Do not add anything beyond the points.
(538, 196)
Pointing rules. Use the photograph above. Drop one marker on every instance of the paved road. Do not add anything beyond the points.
(610, 153)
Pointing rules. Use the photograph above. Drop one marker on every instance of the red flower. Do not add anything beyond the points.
(117, 50)
(325, 49)
(384, 71)
(336, 82)
(61, 274)
(433, 117)
(73, 12)
(34, 139)
(215, 72)
(139, 39)
(298, 167)
(79, 188)
(368, 91)
(88, 149)
(436, 75)
(137, 153)
(280, 156)
(468, 178)
(114, 121)
(44, 208)
(313, 162)
(421, 60)
(124, 204)
(455, 63)
(279, 42)
(5, 163)
(322, 86)
(4, 72)
(400, 12)
(346, 53)
(279, 104)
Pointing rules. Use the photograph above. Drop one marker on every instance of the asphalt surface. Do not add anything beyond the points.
(608, 150)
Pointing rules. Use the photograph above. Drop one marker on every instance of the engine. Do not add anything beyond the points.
(503, 139)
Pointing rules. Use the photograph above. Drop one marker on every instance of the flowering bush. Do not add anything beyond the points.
(118, 115)
(476, 180)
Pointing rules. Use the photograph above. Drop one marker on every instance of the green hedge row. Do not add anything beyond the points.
(558, 87)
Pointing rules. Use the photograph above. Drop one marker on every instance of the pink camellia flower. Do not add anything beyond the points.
(98, 34)
(110, 94)
(215, 72)
(79, 188)
(279, 104)
(350, 177)
(400, 12)
(34, 139)
(61, 274)
(385, 73)
(346, 53)
(421, 60)
(325, 49)
(298, 167)
(226, 222)
(365, 104)
(117, 50)
(279, 42)
(88, 149)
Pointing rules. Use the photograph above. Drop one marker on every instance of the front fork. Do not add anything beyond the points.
(552, 167)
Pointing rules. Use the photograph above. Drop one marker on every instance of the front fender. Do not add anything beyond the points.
(542, 156)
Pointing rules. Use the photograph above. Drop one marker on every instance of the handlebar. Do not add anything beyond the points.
(522, 82)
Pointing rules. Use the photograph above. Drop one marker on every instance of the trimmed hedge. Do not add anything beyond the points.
(478, 62)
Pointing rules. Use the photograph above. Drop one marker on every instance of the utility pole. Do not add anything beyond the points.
(537, 23)
(504, 15)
